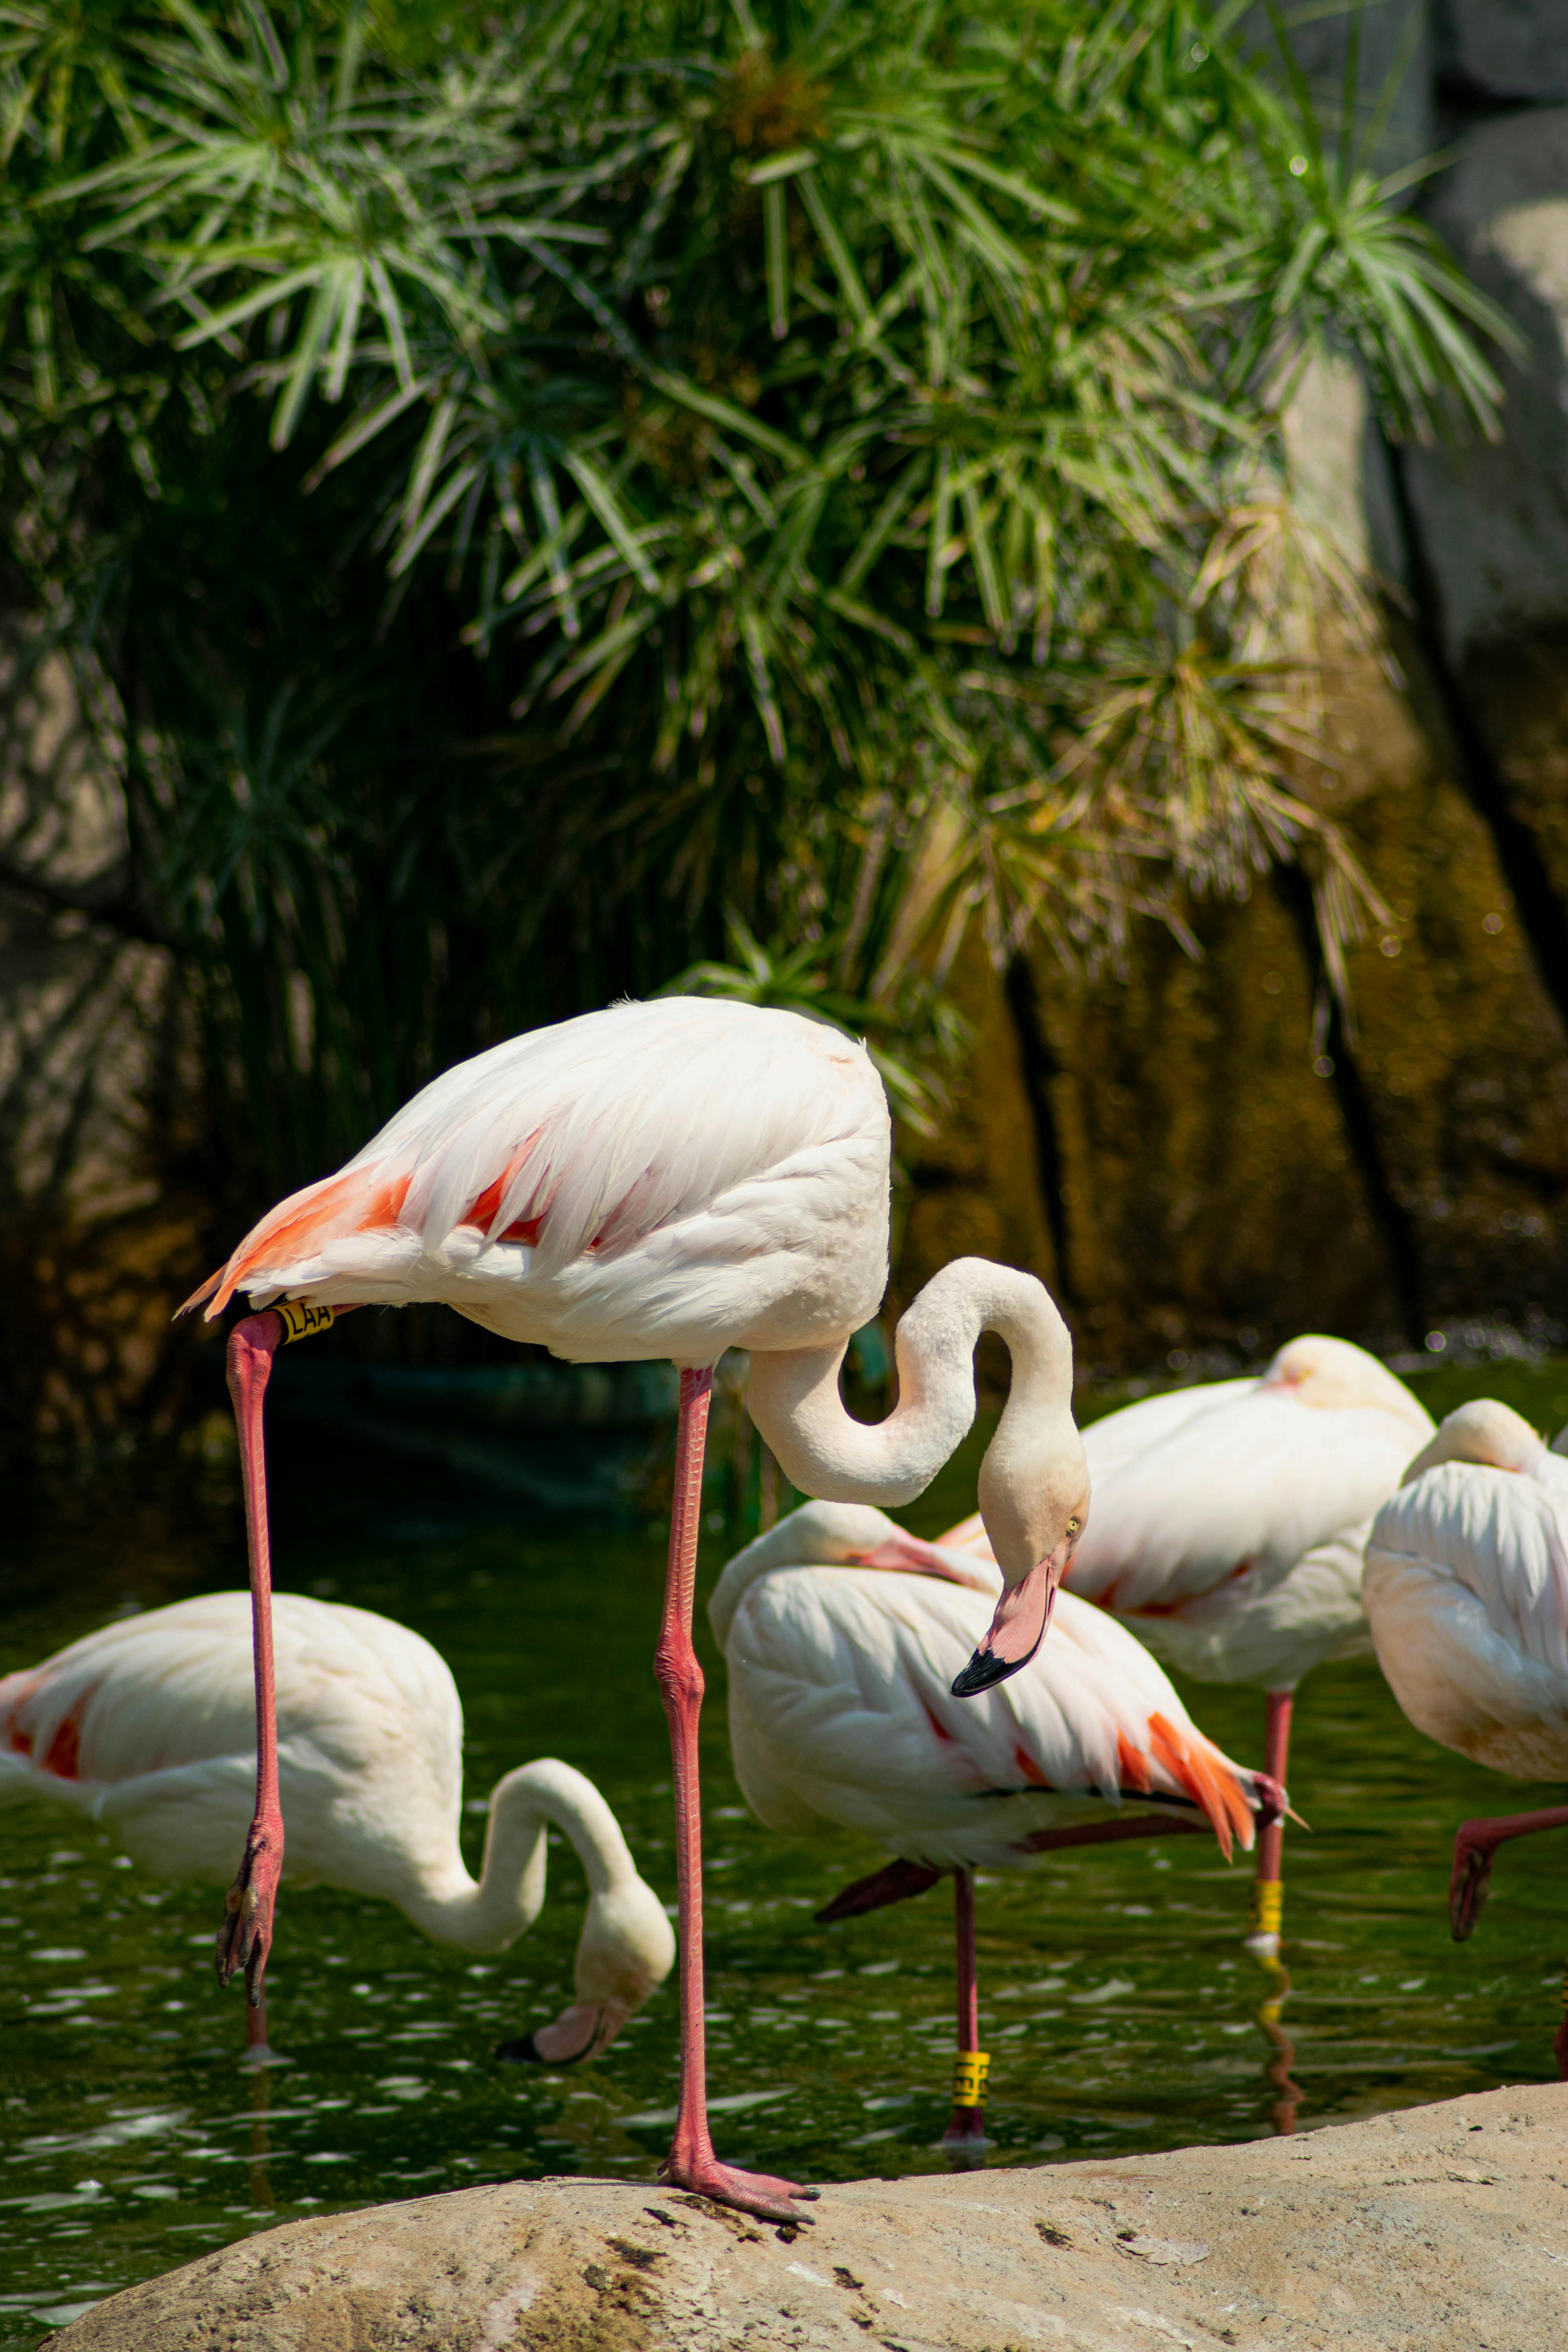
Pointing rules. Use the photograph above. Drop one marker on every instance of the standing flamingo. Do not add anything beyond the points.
(1467, 1595)
(841, 1633)
(1228, 1524)
(149, 1725)
(670, 1179)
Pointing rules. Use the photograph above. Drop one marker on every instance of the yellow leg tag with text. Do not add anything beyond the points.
(301, 1320)
(1267, 1905)
(970, 2069)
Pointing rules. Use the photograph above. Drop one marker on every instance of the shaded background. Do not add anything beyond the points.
(1196, 1153)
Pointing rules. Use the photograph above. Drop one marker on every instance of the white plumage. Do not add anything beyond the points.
(1228, 1520)
(1466, 1593)
(674, 1179)
(149, 1727)
(659, 1180)
(840, 1710)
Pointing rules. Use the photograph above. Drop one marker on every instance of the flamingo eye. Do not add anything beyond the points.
(1073, 1526)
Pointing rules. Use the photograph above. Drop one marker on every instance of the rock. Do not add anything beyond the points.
(1442, 2227)
(1506, 49)
(1393, 41)
(1494, 518)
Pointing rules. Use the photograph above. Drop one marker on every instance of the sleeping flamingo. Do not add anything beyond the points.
(149, 1725)
(1467, 1595)
(670, 1180)
(1228, 1524)
(841, 1633)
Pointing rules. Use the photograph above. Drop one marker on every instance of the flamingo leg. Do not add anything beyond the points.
(1267, 1891)
(691, 2163)
(1475, 1845)
(245, 1938)
(966, 2132)
(257, 2050)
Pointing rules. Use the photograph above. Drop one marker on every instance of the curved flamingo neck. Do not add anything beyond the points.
(794, 1400)
(1491, 1435)
(487, 1913)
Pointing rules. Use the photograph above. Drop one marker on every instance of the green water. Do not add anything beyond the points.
(1120, 2009)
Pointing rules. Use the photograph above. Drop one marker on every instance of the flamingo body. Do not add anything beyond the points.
(672, 1178)
(660, 1180)
(148, 1726)
(840, 1710)
(1466, 1593)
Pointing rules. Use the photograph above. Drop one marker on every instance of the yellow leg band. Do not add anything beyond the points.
(969, 2071)
(301, 1320)
(1267, 1905)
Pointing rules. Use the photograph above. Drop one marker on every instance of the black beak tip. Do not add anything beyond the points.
(983, 1674)
(523, 2052)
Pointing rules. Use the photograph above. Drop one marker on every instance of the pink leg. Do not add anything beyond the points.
(255, 2045)
(1475, 1843)
(691, 2163)
(967, 2128)
(246, 1937)
(1266, 1890)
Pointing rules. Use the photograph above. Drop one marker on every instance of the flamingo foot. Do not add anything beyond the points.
(762, 2193)
(1468, 1885)
(245, 1938)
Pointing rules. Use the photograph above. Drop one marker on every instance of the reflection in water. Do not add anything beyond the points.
(260, 2138)
(1282, 2115)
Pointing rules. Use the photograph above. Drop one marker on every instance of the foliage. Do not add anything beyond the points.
(537, 500)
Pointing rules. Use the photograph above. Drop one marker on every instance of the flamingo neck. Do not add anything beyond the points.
(488, 1913)
(794, 1398)
(1486, 1433)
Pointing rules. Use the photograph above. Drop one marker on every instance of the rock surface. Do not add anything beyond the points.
(1507, 48)
(1444, 2229)
(1495, 516)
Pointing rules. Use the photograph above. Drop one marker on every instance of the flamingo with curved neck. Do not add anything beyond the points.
(668, 1180)
(148, 1726)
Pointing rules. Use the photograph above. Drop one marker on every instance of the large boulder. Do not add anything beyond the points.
(1436, 2228)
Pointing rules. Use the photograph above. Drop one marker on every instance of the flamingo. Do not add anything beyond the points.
(670, 1180)
(1467, 1595)
(841, 1633)
(1228, 1524)
(149, 1725)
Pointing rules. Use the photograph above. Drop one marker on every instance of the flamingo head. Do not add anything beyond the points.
(625, 1952)
(1033, 1500)
(1483, 1432)
(1333, 1376)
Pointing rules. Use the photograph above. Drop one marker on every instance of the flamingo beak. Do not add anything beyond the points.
(1018, 1628)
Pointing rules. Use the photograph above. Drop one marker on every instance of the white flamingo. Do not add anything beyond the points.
(1467, 1595)
(148, 1726)
(841, 1634)
(670, 1180)
(1228, 1524)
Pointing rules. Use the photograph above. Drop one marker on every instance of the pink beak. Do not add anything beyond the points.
(1018, 1627)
